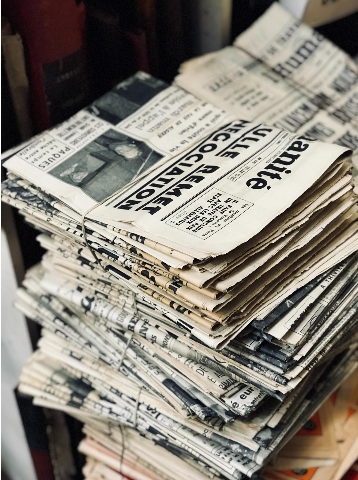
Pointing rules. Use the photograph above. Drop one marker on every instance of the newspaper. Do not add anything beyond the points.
(195, 183)
(208, 305)
(88, 402)
(208, 300)
(118, 138)
(87, 379)
(138, 452)
(178, 210)
(127, 321)
(282, 73)
(293, 318)
(231, 361)
(300, 55)
(242, 85)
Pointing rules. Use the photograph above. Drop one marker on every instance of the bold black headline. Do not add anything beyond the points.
(191, 168)
(275, 169)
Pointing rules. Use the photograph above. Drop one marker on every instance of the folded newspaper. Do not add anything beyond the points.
(200, 281)
(285, 74)
(319, 449)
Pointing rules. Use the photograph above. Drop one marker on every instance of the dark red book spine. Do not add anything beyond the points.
(53, 36)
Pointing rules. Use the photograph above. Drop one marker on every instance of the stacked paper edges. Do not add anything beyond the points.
(324, 448)
(200, 280)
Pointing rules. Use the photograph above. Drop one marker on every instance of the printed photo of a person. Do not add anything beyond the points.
(107, 164)
(136, 158)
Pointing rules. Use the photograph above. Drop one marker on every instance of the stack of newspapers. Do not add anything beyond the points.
(198, 294)
(323, 449)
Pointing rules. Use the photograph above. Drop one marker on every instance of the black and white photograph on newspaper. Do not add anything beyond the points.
(126, 98)
(106, 165)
